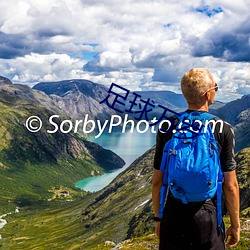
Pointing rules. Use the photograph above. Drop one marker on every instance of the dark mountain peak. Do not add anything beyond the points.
(63, 88)
(231, 110)
(4, 80)
(78, 97)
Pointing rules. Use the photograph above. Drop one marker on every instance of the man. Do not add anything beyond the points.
(194, 225)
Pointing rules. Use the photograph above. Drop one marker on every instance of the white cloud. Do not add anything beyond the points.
(35, 68)
(140, 44)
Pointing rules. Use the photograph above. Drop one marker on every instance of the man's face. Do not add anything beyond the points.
(211, 93)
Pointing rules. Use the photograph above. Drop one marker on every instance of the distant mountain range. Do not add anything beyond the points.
(79, 97)
(231, 111)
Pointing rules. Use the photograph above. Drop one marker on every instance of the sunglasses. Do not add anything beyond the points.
(216, 87)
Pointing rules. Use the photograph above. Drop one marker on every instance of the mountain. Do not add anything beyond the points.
(31, 164)
(232, 110)
(216, 105)
(165, 98)
(237, 113)
(124, 208)
(4, 80)
(242, 130)
(78, 98)
(106, 215)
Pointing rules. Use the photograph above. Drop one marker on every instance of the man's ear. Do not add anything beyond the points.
(207, 95)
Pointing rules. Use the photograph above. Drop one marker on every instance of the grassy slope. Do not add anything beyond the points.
(150, 242)
(48, 226)
(60, 225)
(27, 168)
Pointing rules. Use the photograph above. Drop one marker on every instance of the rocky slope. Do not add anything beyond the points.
(242, 130)
(237, 114)
(4, 80)
(78, 98)
(243, 175)
(232, 110)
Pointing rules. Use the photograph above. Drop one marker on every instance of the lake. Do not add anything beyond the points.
(129, 146)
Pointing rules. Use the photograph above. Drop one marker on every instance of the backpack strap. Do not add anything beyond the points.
(164, 188)
(163, 194)
(219, 200)
(209, 116)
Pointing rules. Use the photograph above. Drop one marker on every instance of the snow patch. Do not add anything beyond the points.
(3, 222)
(143, 186)
(142, 204)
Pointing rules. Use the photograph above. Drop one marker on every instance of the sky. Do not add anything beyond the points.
(140, 45)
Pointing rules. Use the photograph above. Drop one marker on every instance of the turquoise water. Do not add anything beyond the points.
(128, 146)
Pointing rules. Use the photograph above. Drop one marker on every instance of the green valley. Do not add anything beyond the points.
(123, 210)
(32, 163)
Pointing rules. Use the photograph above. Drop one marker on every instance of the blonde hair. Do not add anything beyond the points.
(195, 83)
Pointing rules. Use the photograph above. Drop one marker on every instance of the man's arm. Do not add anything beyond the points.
(232, 200)
(156, 187)
(157, 178)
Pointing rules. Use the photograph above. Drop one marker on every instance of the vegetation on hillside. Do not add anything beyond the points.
(120, 212)
(32, 163)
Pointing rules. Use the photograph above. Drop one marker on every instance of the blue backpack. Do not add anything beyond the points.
(191, 162)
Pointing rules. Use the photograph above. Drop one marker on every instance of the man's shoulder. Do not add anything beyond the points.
(222, 125)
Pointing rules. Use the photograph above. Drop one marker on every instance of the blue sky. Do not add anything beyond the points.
(140, 45)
